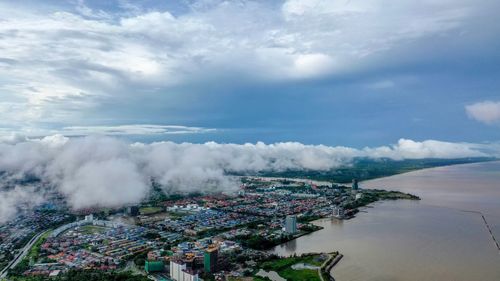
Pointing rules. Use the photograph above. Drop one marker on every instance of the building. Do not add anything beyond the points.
(176, 269)
(178, 272)
(355, 184)
(133, 211)
(89, 218)
(190, 275)
(154, 266)
(210, 259)
(338, 212)
(291, 224)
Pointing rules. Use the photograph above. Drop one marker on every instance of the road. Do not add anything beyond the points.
(20, 256)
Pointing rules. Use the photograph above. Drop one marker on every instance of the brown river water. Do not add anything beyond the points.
(441, 237)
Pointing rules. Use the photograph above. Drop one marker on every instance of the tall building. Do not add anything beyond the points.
(355, 184)
(210, 259)
(179, 272)
(291, 224)
(176, 269)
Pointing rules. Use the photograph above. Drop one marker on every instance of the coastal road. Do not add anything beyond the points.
(20, 256)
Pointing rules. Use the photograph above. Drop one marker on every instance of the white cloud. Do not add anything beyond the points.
(53, 63)
(487, 111)
(13, 134)
(105, 171)
(16, 199)
(409, 149)
(135, 129)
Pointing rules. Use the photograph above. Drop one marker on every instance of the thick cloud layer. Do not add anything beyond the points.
(105, 171)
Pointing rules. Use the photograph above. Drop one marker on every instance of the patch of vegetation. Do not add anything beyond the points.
(282, 263)
(34, 252)
(91, 229)
(258, 242)
(283, 266)
(150, 210)
(300, 275)
(373, 195)
(140, 259)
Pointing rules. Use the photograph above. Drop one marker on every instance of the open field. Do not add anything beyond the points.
(149, 210)
(90, 229)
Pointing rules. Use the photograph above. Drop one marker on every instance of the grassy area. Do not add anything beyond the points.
(91, 229)
(283, 266)
(300, 275)
(149, 210)
(177, 215)
(34, 252)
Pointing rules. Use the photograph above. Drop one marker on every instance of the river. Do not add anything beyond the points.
(434, 239)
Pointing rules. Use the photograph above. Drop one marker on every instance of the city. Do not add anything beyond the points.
(197, 237)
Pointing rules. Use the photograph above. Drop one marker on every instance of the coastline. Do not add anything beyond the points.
(402, 230)
(329, 268)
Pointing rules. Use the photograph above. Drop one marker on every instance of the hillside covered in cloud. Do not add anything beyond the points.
(110, 172)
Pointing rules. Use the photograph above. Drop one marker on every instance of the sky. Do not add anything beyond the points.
(339, 73)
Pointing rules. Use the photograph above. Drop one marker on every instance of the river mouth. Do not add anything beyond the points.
(432, 239)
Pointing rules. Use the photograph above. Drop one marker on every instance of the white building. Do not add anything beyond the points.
(178, 272)
(190, 276)
(291, 224)
(186, 208)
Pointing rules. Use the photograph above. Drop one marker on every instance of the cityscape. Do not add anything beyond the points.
(198, 237)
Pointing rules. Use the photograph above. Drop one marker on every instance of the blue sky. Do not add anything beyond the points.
(354, 73)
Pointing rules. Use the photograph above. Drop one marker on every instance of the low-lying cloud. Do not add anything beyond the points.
(18, 197)
(106, 171)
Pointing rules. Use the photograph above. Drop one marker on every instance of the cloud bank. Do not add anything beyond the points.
(106, 171)
(487, 112)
